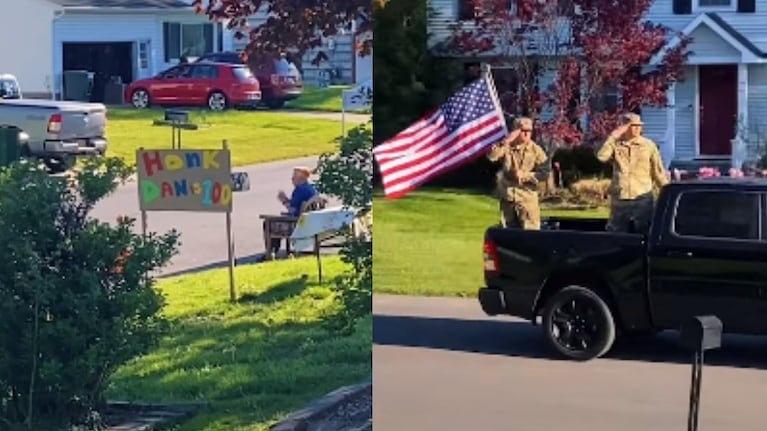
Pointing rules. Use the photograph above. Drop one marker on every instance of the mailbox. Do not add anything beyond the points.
(701, 333)
(175, 116)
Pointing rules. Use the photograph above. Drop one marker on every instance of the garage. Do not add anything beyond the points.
(104, 60)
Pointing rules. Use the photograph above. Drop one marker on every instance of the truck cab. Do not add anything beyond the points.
(705, 253)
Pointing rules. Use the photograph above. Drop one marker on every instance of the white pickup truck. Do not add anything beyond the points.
(57, 131)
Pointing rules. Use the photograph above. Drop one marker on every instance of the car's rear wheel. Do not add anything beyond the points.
(140, 99)
(578, 323)
(275, 103)
(217, 101)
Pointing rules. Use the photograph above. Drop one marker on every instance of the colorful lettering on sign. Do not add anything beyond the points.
(210, 192)
(154, 162)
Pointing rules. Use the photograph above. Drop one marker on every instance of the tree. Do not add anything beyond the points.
(564, 57)
(293, 26)
(75, 299)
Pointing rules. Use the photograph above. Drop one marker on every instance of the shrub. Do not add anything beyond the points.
(347, 175)
(592, 190)
(75, 298)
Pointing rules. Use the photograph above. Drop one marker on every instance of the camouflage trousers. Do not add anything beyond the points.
(625, 212)
(525, 215)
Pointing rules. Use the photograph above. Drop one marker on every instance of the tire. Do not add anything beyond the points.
(578, 323)
(140, 99)
(274, 103)
(217, 101)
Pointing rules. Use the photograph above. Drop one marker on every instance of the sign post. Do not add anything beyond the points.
(188, 180)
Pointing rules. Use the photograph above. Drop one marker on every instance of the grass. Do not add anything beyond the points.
(254, 361)
(326, 99)
(430, 242)
(253, 136)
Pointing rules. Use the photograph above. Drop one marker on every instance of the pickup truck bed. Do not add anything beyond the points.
(57, 130)
(704, 254)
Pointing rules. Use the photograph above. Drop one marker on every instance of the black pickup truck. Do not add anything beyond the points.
(705, 253)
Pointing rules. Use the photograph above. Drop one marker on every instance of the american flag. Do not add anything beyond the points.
(461, 129)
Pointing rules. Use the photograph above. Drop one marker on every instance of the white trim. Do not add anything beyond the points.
(747, 56)
(696, 110)
(739, 150)
(697, 8)
(669, 140)
(703, 61)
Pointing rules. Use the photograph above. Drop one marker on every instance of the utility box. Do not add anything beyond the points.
(10, 148)
(78, 85)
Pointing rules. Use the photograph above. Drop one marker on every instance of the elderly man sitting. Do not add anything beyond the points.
(303, 192)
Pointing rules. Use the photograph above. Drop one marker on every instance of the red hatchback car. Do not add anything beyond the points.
(215, 85)
(280, 79)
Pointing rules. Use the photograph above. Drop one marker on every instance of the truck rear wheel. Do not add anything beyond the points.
(578, 323)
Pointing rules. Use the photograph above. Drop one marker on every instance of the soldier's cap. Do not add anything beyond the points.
(523, 123)
(304, 170)
(632, 119)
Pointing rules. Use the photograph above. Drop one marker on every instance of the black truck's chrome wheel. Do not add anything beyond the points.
(578, 323)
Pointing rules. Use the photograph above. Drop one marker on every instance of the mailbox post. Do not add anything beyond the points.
(699, 334)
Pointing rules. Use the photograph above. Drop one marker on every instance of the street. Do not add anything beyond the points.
(441, 364)
(203, 235)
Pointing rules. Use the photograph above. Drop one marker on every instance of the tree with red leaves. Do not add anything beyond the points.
(292, 26)
(565, 55)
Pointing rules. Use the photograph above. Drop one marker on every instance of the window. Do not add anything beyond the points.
(707, 3)
(466, 7)
(242, 74)
(709, 214)
(713, 5)
(177, 72)
(205, 72)
(190, 40)
(607, 100)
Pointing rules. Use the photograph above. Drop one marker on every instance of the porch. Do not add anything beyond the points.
(718, 113)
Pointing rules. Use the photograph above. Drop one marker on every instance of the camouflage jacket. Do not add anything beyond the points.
(637, 165)
(528, 160)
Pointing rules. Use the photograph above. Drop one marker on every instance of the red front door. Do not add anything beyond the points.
(718, 89)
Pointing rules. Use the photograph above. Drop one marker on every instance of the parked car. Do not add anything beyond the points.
(57, 131)
(280, 80)
(216, 85)
(9, 87)
(705, 254)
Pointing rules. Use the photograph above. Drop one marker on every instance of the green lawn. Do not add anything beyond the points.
(254, 136)
(320, 99)
(430, 242)
(254, 361)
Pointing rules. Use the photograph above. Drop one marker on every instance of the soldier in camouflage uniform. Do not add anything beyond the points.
(523, 166)
(637, 166)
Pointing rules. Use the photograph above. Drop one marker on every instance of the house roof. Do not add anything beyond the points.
(124, 4)
(728, 30)
(738, 35)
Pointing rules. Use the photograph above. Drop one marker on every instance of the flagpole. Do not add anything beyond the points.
(488, 76)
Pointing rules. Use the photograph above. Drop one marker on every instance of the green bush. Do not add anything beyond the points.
(347, 176)
(75, 298)
(580, 162)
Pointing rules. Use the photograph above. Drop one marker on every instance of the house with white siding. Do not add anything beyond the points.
(129, 39)
(719, 111)
(344, 64)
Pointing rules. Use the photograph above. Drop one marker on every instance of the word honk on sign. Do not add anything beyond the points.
(184, 180)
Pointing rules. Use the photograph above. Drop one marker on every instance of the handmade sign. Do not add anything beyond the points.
(184, 180)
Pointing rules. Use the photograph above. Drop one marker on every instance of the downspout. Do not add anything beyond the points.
(56, 82)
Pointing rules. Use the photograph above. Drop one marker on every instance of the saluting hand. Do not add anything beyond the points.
(620, 131)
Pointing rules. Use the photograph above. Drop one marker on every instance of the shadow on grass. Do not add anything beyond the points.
(240, 261)
(277, 293)
(253, 361)
(522, 339)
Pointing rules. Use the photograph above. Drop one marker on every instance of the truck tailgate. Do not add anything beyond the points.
(81, 121)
